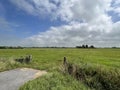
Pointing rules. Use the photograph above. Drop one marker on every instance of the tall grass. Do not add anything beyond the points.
(100, 78)
(54, 81)
(7, 64)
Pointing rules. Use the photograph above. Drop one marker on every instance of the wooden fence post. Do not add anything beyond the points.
(65, 64)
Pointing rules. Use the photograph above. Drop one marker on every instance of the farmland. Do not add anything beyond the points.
(51, 60)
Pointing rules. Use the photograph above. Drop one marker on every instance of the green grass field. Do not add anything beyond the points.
(51, 59)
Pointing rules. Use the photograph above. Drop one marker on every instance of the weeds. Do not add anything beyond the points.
(96, 77)
(7, 64)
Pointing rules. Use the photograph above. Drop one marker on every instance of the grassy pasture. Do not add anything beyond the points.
(50, 59)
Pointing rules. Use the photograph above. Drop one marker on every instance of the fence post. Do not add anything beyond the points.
(65, 63)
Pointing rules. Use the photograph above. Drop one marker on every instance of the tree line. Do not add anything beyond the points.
(11, 47)
(85, 46)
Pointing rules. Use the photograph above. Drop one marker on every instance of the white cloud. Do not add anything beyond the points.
(66, 10)
(75, 34)
(88, 22)
(35, 7)
(24, 5)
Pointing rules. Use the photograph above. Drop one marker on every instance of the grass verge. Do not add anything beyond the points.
(96, 77)
(54, 81)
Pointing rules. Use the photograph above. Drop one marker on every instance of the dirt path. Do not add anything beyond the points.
(13, 79)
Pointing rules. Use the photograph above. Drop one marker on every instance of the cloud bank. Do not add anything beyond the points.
(87, 22)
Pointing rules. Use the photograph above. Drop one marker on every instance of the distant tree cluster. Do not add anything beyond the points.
(85, 46)
(10, 47)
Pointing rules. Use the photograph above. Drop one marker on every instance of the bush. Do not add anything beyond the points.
(26, 59)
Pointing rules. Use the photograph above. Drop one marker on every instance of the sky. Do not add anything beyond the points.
(61, 23)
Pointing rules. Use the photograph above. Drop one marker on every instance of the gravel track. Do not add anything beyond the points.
(13, 79)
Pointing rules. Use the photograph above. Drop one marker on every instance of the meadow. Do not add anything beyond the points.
(51, 60)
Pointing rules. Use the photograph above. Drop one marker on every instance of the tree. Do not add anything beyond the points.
(86, 46)
(91, 46)
(78, 47)
(83, 46)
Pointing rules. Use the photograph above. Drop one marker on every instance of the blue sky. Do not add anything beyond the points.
(27, 24)
(59, 22)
